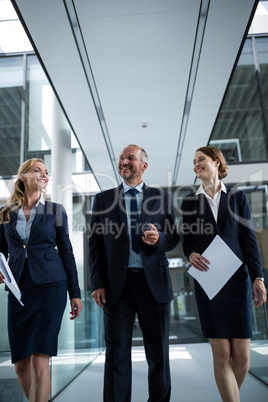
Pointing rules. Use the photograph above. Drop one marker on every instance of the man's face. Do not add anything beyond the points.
(130, 165)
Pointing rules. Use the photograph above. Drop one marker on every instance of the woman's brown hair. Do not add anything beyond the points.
(215, 154)
(16, 199)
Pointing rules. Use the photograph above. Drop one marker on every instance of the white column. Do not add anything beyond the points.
(61, 159)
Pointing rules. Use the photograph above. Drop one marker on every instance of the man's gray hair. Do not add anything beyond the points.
(144, 155)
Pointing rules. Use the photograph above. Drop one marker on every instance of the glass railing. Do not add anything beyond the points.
(80, 342)
(259, 344)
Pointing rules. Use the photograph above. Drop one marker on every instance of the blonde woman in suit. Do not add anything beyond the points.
(226, 319)
(34, 237)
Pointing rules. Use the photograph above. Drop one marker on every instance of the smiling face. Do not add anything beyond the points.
(36, 178)
(131, 166)
(205, 167)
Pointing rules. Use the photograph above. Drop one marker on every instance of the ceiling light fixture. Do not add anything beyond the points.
(144, 124)
(201, 26)
(74, 22)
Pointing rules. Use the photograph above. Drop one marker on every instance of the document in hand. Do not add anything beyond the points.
(9, 278)
(223, 264)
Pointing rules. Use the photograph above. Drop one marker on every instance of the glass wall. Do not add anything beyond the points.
(185, 325)
(80, 340)
(26, 116)
(241, 129)
(38, 113)
(241, 132)
(25, 132)
(11, 95)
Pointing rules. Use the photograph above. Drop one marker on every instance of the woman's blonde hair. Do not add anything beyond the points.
(215, 154)
(16, 199)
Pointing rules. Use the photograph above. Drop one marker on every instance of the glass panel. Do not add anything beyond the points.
(39, 114)
(11, 94)
(12, 34)
(239, 130)
(259, 345)
(184, 320)
(81, 340)
(38, 127)
(262, 53)
(185, 325)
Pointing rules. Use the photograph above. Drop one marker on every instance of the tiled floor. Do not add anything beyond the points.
(192, 378)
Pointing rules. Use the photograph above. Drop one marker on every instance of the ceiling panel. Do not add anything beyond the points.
(140, 54)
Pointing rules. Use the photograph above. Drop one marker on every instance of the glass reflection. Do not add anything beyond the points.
(239, 131)
(11, 95)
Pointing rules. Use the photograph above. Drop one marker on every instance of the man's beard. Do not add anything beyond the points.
(128, 175)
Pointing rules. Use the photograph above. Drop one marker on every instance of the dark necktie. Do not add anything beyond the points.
(134, 221)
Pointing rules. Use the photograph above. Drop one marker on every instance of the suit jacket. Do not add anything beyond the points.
(109, 243)
(49, 250)
(234, 225)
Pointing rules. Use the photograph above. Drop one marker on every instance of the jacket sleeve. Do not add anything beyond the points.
(168, 237)
(66, 252)
(248, 239)
(97, 260)
(189, 241)
(3, 241)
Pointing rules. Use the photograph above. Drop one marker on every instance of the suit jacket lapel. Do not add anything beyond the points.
(40, 211)
(146, 195)
(204, 209)
(222, 207)
(13, 221)
(207, 210)
(120, 206)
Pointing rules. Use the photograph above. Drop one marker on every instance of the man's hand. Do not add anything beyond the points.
(99, 296)
(151, 236)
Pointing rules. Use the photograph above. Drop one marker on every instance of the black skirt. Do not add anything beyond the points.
(229, 313)
(34, 327)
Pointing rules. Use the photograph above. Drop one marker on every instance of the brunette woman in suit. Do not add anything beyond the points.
(34, 238)
(226, 319)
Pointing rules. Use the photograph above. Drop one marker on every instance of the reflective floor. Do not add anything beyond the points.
(191, 371)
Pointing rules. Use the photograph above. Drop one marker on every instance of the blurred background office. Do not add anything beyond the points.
(81, 79)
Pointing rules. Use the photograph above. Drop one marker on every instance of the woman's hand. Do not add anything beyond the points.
(260, 293)
(197, 261)
(1, 278)
(76, 307)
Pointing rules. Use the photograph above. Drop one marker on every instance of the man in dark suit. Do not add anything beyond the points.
(130, 275)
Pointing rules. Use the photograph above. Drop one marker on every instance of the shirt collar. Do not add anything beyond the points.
(138, 188)
(201, 190)
(41, 199)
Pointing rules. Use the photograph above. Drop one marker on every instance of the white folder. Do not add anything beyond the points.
(9, 278)
(223, 264)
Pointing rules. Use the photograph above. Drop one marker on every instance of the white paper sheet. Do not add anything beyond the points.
(9, 278)
(223, 264)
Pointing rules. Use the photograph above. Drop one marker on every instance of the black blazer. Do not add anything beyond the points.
(109, 243)
(49, 250)
(234, 226)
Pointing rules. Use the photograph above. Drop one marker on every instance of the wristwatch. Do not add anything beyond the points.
(260, 278)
